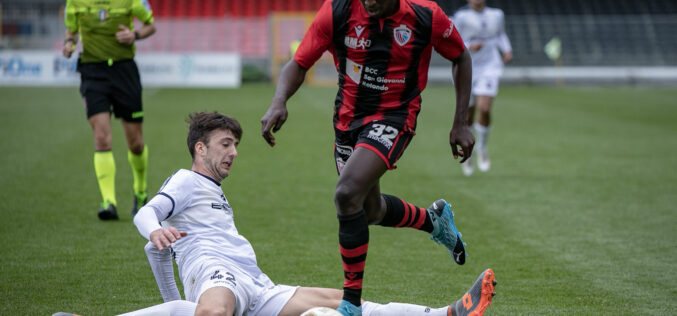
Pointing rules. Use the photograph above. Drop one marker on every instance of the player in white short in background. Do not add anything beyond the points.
(217, 265)
(483, 31)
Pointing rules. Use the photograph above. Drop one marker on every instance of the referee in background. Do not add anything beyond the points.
(110, 83)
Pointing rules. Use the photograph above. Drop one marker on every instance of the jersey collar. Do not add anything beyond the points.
(208, 178)
(395, 17)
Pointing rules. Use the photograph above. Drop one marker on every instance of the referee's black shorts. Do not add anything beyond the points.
(112, 88)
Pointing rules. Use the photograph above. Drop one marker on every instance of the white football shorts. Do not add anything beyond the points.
(251, 298)
(485, 85)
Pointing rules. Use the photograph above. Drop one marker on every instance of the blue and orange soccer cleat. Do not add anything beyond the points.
(477, 299)
(348, 309)
(445, 232)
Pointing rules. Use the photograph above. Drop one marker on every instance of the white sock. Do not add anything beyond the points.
(163, 270)
(400, 309)
(482, 135)
(173, 308)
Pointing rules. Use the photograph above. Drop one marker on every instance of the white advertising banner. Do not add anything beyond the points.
(215, 70)
(48, 68)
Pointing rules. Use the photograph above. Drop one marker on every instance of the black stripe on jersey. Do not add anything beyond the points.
(340, 17)
(422, 35)
(173, 204)
(378, 58)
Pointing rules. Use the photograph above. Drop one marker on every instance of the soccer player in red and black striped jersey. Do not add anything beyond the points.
(381, 50)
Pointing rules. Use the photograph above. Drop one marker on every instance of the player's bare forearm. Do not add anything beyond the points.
(460, 135)
(290, 80)
(146, 31)
(462, 74)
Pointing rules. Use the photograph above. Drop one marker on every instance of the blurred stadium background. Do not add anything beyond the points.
(629, 41)
(577, 215)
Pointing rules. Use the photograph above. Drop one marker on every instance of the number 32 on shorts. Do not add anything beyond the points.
(384, 134)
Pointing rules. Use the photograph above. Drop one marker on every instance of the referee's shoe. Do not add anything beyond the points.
(108, 212)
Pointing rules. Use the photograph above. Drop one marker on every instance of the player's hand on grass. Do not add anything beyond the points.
(165, 237)
(460, 136)
(273, 119)
(125, 35)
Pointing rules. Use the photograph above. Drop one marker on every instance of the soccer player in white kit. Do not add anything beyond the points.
(217, 265)
(483, 31)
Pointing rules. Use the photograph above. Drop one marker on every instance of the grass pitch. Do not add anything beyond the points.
(576, 217)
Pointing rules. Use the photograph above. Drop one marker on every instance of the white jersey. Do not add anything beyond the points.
(487, 26)
(195, 203)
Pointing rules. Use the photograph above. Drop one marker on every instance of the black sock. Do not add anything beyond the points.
(353, 243)
(402, 214)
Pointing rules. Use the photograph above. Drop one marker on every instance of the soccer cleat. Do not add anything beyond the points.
(445, 232)
(108, 212)
(467, 167)
(477, 299)
(483, 162)
(143, 198)
(64, 314)
(348, 309)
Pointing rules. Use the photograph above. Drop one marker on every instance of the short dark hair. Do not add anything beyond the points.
(202, 123)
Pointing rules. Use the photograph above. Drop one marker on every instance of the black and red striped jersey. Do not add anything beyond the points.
(382, 63)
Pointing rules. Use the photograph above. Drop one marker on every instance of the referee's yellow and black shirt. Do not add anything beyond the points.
(97, 22)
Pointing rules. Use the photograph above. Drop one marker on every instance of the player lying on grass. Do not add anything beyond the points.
(217, 265)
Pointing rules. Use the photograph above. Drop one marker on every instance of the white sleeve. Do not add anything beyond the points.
(148, 218)
(163, 270)
(503, 41)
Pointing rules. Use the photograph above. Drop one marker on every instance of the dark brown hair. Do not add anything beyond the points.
(202, 123)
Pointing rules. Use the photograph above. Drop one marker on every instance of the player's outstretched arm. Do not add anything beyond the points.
(290, 81)
(460, 135)
(161, 264)
(147, 223)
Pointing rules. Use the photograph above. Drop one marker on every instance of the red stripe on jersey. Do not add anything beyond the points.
(382, 63)
(355, 252)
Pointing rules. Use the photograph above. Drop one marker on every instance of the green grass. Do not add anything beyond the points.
(576, 217)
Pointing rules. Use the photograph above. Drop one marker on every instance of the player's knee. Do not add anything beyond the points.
(102, 143)
(136, 147)
(346, 199)
(203, 310)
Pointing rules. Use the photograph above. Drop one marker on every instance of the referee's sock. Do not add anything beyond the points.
(402, 214)
(138, 164)
(104, 167)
